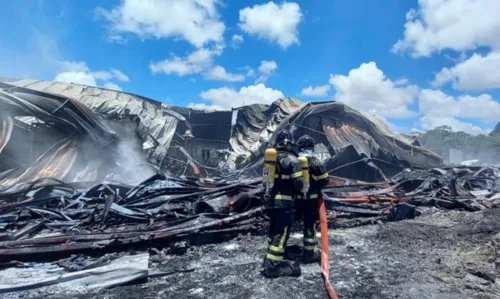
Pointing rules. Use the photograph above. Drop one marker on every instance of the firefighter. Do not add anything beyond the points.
(287, 176)
(309, 204)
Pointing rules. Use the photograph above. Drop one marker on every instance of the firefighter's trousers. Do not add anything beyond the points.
(307, 210)
(279, 229)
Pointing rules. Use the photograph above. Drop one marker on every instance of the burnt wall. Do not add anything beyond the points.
(211, 126)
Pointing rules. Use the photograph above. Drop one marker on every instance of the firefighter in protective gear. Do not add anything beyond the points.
(287, 184)
(308, 205)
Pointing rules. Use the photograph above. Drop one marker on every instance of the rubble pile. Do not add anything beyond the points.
(53, 219)
(102, 174)
(58, 218)
(465, 188)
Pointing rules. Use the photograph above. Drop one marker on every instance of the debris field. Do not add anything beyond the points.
(110, 197)
(73, 225)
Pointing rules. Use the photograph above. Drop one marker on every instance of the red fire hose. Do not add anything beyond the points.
(325, 249)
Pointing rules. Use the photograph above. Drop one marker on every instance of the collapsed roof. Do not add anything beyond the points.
(56, 137)
(184, 141)
(352, 144)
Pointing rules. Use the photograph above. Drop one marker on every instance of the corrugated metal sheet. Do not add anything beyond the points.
(68, 114)
(347, 135)
(155, 120)
(56, 163)
(89, 173)
(6, 126)
(256, 124)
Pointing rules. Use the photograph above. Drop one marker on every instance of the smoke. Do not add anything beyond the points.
(132, 162)
(457, 147)
(130, 158)
(482, 156)
(122, 161)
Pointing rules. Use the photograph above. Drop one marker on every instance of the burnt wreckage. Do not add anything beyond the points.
(89, 170)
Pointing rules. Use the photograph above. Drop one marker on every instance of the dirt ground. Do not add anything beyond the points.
(439, 255)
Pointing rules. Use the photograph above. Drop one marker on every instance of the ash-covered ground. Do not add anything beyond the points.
(441, 255)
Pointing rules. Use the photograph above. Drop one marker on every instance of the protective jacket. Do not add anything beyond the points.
(288, 183)
(307, 207)
(319, 177)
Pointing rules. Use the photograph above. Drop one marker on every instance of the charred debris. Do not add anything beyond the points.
(85, 170)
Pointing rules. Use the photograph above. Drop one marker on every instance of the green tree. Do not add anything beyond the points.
(442, 138)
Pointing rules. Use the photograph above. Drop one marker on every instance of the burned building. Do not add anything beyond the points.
(89, 177)
(209, 132)
(186, 141)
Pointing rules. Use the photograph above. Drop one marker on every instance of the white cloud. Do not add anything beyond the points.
(317, 91)
(203, 106)
(267, 67)
(111, 85)
(440, 109)
(77, 78)
(73, 66)
(196, 21)
(450, 24)
(102, 75)
(436, 102)
(276, 23)
(200, 61)
(402, 81)
(229, 98)
(266, 70)
(250, 71)
(120, 75)
(391, 127)
(220, 73)
(395, 129)
(194, 63)
(476, 73)
(112, 74)
(367, 89)
(431, 122)
(236, 40)
(79, 73)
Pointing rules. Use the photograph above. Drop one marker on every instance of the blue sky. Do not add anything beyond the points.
(416, 64)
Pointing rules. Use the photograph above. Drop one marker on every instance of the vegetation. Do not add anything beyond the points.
(484, 147)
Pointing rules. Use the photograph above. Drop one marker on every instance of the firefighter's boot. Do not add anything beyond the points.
(311, 256)
(280, 269)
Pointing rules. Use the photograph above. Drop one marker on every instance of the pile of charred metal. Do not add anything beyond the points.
(52, 217)
(65, 187)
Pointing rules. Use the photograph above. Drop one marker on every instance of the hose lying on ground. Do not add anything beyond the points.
(325, 249)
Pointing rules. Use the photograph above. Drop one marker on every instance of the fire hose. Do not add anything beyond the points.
(325, 249)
